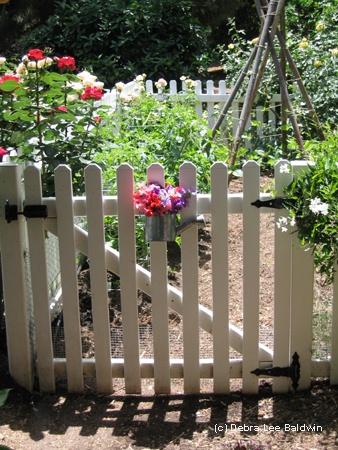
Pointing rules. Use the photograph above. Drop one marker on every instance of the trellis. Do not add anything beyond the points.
(269, 21)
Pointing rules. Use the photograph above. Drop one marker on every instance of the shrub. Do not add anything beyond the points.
(117, 39)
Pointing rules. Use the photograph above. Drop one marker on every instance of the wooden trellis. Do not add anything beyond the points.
(259, 56)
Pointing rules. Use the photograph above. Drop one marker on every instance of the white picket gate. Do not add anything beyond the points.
(208, 101)
(293, 299)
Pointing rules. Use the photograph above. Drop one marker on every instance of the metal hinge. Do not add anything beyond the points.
(276, 203)
(29, 211)
(292, 371)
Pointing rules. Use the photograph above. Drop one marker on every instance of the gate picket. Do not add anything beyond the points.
(301, 300)
(251, 266)
(159, 296)
(189, 246)
(220, 281)
(37, 255)
(98, 278)
(126, 220)
(281, 346)
(70, 296)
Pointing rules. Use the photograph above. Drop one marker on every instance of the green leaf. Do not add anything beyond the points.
(3, 395)
(9, 85)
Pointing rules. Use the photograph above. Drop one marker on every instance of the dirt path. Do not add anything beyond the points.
(35, 421)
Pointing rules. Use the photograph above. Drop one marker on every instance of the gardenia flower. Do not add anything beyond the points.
(316, 206)
(317, 63)
(2, 60)
(231, 46)
(284, 168)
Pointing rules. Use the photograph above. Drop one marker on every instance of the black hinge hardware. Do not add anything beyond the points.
(292, 371)
(276, 203)
(29, 211)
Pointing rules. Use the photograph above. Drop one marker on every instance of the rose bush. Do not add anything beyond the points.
(43, 117)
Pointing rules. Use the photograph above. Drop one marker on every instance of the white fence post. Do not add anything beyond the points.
(334, 337)
(159, 295)
(301, 300)
(37, 255)
(14, 279)
(251, 275)
(281, 334)
(70, 296)
(189, 243)
(126, 217)
(220, 276)
(98, 278)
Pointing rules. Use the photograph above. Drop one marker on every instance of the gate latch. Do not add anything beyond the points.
(292, 371)
(29, 211)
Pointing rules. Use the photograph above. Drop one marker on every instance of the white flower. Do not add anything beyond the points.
(119, 86)
(77, 86)
(139, 78)
(83, 74)
(31, 64)
(293, 221)
(284, 229)
(284, 168)
(25, 58)
(72, 97)
(21, 69)
(88, 81)
(161, 83)
(125, 98)
(183, 78)
(99, 84)
(2, 60)
(316, 206)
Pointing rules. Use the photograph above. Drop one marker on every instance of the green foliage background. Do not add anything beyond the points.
(117, 39)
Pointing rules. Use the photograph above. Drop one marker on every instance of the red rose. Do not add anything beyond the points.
(92, 92)
(97, 119)
(66, 62)
(35, 54)
(3, 152)
(58, 108)
(9, 77)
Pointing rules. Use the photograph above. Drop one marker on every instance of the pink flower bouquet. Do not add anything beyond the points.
(155, 200)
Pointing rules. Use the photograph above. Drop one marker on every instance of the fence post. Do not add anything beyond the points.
(301, 300)
(14, 283)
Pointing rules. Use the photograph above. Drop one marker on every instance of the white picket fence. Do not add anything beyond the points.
(293, 299)
(208, 101)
